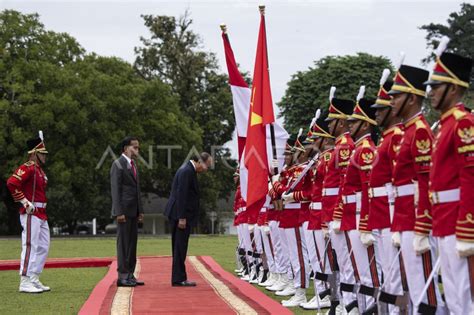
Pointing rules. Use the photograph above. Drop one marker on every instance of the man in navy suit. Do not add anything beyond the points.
(182, 211)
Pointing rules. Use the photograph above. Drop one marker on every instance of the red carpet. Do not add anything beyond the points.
(217, 292)
(61, 263)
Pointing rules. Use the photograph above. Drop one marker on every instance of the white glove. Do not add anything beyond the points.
(465, 249)
(421, 244)
(396, 239)
(275, 178)
(325, 233)
(367, 239)
(28, 205)
(251, 227)
(266, 229)
(274, 164)
(288, 198)
(335, 226)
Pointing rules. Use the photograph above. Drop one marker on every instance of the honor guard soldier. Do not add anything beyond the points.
(298, 252)
(410, 179)
(339, 111)
(275, 190)
(355, 209)
(323, 143)
(452, 178)
(28, 187)
(381, 201)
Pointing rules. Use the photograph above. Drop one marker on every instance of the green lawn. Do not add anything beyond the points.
(71, 287)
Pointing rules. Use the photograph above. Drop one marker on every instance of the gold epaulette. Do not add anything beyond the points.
(365, 143)
(29, 163)
(397, 131)
(420, 124)
(459, 114)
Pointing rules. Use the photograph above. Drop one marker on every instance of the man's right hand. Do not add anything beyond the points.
(28, 205)
(121, 218)
(182, 224)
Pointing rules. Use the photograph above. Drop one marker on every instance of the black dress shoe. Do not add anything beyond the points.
(125, 283)
(137, 282)
(185, 283)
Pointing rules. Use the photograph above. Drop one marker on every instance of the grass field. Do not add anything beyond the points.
(71, 287)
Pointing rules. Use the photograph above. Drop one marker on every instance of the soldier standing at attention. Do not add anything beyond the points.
(28, 187)
(452, 177)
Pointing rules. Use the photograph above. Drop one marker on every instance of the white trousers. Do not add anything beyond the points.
(346, 271)
(391, 261)
(34, 244)
(316, 249)
(282, 262)
(286, 253)
(368, 267)
(268, 248)
(239, 236)
(418, 269)
(247, 242)
(455, 270)
(298, 256)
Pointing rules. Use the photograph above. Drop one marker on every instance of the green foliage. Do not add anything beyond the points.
(309, 90)
(85, 104)
(460, 29)
(174, 54)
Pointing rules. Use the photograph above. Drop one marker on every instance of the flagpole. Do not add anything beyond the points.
(272, 128)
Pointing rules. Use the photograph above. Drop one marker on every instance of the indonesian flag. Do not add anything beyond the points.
(260, 115)
(240, 95)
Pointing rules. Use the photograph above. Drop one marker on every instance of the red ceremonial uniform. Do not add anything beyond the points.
(411, 176)
(278, 189)
(239, 207)
(317, 178)
(262, 217)
(334, 178)
(22, 183)
(302, 192)
(452, 176)
(381, 176)
(357, 180)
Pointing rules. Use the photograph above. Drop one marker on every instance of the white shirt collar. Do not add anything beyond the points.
(129, 160)
(193, 163)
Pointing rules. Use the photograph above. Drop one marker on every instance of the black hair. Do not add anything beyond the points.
(203, 157)
(126, 142)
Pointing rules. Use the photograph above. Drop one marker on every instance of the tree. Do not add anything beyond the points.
(174, 55)
(460, 29)
(85, 104)
(309, 90)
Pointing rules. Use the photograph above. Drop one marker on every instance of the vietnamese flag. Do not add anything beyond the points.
(260, 115)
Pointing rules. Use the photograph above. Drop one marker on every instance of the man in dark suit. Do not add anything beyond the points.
(127, 208)
(182, 212)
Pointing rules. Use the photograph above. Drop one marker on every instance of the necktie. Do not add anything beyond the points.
(134, 169)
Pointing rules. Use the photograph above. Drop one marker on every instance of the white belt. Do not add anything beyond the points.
(378, 192)
(240, 210)
(41, 205)
(295, 205)
(263, 210)
(271, 207)
(316, 206)
(349, 199)
(404, 190)
(444, 196)
(331, 191)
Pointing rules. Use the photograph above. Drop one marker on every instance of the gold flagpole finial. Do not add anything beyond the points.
(224, 28)
(262, 8)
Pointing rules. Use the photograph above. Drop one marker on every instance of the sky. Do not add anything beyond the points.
(298, 32)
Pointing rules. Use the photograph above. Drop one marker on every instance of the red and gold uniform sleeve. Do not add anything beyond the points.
(17, 180)
(304, 193)
(421, 152)
(366, 160)
(464, 135)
